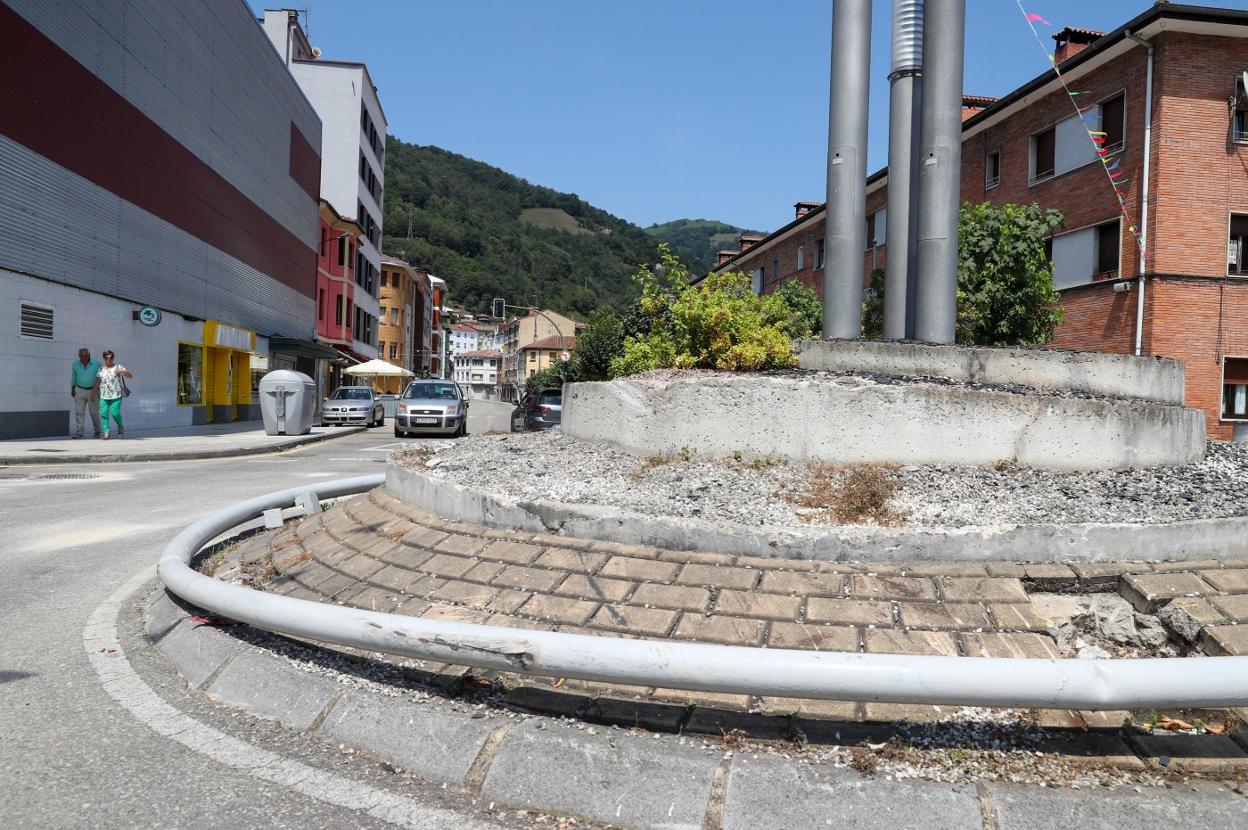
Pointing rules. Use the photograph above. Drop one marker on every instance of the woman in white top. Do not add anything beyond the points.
(112, 390)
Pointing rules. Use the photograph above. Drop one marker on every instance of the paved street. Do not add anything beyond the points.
(72, 757)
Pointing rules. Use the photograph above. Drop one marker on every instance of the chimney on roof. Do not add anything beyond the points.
(800, 209)
(972, 104)
(748, 240)
(724, 256)
(1071, 41)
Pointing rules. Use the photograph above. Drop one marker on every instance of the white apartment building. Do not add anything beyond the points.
(476, 372)
(471, 337)
(353, 144)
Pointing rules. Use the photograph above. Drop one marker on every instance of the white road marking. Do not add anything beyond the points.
(270, 461)
(74, 536)
(125, 686)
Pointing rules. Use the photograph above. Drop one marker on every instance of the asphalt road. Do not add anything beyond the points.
(72, 757)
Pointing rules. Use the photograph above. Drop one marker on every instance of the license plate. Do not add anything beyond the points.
(425, 420)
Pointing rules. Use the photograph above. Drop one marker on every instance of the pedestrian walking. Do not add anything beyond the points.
(85, 391)
(112, 389)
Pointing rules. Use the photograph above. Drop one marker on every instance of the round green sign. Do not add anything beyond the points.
(149, 316)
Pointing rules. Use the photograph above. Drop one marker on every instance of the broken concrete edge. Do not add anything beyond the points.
(481, 754)
(1175, 541)
(189, 455)
(1155, 379)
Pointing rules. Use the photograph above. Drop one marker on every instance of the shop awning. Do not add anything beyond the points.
(302, 348)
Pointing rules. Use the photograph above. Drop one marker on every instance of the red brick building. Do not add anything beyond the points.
(1031, 146)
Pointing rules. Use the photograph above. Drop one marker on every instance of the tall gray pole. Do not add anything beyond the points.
(903, 142)
(845, 220)
(940, 165)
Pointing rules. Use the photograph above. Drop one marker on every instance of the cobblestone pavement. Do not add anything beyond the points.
(378, 553)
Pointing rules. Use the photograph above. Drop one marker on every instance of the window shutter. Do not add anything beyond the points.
(36, 321)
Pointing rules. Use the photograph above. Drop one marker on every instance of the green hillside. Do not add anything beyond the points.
(491, 234)
(697, 240)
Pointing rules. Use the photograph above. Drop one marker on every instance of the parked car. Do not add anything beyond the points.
(539, 409)
(353, 405)
(434, 407)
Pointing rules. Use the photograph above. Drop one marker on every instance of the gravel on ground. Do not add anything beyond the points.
(553, 466)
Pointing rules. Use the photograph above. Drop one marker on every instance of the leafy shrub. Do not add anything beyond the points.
(552, 375)
(600, 342)
(805, 303)
(719, 324)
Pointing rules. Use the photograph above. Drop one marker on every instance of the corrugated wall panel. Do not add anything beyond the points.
(167, 59)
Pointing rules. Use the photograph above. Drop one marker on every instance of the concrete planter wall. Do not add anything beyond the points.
(864, 420)
(1208, 538)
(1155, 379)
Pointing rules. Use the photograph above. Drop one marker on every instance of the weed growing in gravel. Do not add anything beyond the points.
(858, 494)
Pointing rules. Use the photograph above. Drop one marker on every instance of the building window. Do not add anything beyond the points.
(877, 228)
(385, 279)
(190, 377)
(818, 254)
(775, 270)
(394, 316)
(344, 251)
(36, 321)
(1114, 123)
(1237, 248)
(338, 305)
(320, 304)
(1239, 129)
(1108, 246)
(992, 169)
(394, 351)
(801, 257)
(757, 281)
(1235, 388)
(1043, 155)
(532, 357)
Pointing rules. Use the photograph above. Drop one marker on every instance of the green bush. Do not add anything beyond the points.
(805, 303)
(718, 324)
(552, 375)
(600, 342)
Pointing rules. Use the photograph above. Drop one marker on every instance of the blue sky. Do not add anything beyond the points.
(653, 109)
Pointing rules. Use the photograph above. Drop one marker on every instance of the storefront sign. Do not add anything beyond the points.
(224, 336)
(149, 315)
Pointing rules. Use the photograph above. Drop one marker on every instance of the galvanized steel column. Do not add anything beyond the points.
(903, 141)
(845, 223)
(940, 165)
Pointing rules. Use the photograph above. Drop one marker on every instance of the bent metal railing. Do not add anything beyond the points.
(896, 678)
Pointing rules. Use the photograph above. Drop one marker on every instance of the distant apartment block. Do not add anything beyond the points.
(352, 157)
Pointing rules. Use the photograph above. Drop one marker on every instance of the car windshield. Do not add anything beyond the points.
(351, 395)
(430, 390)
(550, 397)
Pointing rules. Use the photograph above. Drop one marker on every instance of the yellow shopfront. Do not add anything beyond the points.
(227, 372)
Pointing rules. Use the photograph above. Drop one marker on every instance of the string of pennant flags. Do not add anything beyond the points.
(1088, 115)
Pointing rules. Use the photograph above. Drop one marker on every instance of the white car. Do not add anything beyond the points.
(353, 405)
(433, 407)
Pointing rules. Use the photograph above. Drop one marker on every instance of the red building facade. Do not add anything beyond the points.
(1031, 146)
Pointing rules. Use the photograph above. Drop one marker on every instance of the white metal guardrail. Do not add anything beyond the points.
(896, 678)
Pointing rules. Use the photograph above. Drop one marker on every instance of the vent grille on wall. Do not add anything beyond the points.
(36, 321)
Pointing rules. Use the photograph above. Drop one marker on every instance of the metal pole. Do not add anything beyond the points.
(903, 130)
(845, 223)
(1148, 144)
(898, 678)
(940, 165)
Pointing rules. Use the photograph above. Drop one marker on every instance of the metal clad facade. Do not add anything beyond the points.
(204, 73)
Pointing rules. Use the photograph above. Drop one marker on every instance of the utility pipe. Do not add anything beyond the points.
(845, 219)
(896, 678)
(940, 166)
(1148, 144)
(903, 139)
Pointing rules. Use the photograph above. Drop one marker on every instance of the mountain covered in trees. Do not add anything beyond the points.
(698, 240)
(491, 234)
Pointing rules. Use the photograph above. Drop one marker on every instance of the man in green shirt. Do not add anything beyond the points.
(85, 390)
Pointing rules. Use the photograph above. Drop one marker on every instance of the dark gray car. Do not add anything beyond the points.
(539, 409)
(431, 407)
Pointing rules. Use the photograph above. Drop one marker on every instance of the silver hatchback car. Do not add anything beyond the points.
(353, 405)
(432, 407)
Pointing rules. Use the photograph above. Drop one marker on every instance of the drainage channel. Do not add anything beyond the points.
(47, 476)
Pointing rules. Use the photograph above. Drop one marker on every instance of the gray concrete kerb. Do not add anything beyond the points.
(292, 442)
(1175, 541)
(618, 777)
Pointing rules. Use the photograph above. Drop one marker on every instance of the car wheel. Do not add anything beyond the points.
(397, 433)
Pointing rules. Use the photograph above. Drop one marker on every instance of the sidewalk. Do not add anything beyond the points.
(176, 444)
